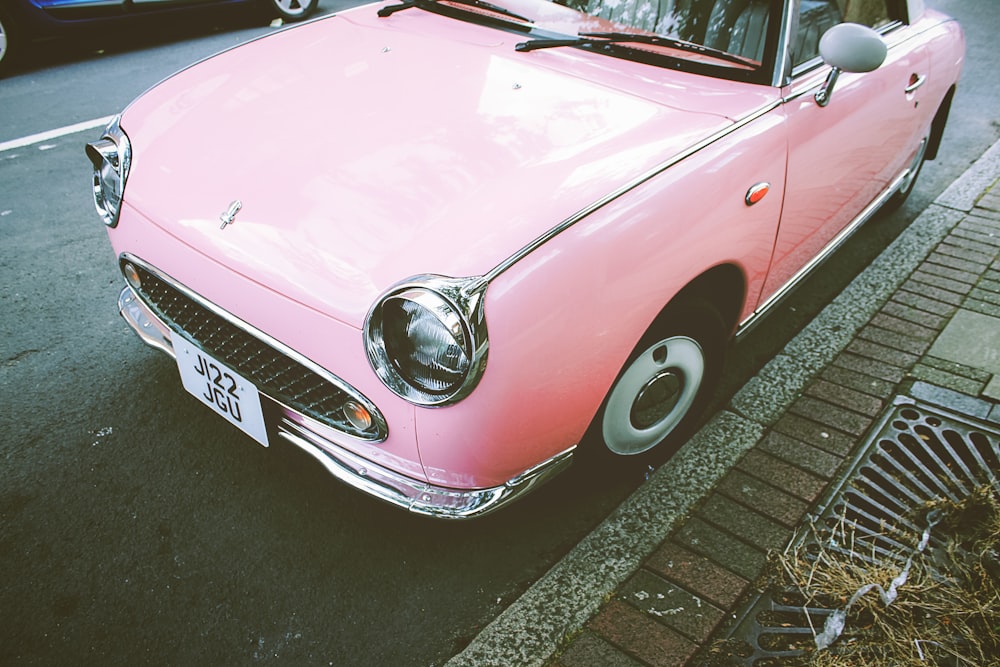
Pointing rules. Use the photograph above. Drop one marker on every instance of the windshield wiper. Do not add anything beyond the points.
(478, 4)
(602, 38)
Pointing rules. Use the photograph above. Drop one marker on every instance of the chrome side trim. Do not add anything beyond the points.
(838, 240)
(413, 495)
(634, 183)
(783, 58)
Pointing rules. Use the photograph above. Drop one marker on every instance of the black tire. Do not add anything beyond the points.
(291, 10)
(899, 197)
(663, 389)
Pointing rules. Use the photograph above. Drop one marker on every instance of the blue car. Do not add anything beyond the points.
(24, 21)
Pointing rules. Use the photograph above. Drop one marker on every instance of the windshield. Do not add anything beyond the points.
(738, 27)
(728, 38)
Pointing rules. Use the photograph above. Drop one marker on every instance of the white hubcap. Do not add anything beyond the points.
(292, 7)
(653, 395)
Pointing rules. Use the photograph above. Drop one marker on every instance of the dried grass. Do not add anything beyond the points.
(946, 613)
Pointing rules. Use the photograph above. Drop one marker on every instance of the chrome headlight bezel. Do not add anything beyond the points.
(111, 157)
(454, 306)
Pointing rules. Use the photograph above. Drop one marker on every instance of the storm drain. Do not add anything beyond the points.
(916, 455)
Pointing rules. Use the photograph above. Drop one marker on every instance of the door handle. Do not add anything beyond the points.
(916, 80)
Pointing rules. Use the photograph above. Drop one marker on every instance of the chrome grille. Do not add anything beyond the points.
(275, 374)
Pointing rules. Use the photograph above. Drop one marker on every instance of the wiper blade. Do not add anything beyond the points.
(478, 4)
(602, 38)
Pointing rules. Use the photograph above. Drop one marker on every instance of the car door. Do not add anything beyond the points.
(842, 156)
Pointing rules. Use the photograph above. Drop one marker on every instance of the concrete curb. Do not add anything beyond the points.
(557, 606)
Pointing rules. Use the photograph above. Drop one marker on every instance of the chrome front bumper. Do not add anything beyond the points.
(376, 480)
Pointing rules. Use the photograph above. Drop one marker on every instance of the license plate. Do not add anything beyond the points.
(221, 388)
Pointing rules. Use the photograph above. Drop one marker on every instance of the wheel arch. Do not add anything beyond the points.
(715, 296)
(938, 124)
(724, 286)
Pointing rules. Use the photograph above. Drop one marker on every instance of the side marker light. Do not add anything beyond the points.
(757, 192)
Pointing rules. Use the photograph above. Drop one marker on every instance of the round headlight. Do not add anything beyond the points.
(424, 341)
(424, 345)
(111, 157)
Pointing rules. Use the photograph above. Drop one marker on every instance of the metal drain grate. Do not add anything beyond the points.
(916, 454)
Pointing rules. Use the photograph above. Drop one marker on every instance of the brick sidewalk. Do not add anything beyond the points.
(681, 596)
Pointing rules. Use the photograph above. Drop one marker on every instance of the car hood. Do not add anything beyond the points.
(366, 150)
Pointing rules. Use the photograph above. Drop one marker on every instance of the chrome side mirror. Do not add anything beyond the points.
(849, 47)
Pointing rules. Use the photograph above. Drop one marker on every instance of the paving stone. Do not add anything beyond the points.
(982, 307)
(754, 492)
(820, 463)
(953, 368)
(642, 637)
(940, 282)
(914, 315)
(818, 435)
(903, 327)
(792, 479)
(846, 420)
(866, 348)
(873, 367)
(992, 390)
(989, 284)
(990, 201)
(923, 302)
(964, 253)
(962, 262)
(970, 240)
(860, 382)
(698, 574)
(922, 275)
(968, 233)
(949, 273)
(953, 400)
(733, 554)
(981, 221)
(589, 650)
(671, 605)
(987, 295)
(745, 523)
(945, 379)
(845, 397)
(897, 341)
(971, 339)
(929, 291)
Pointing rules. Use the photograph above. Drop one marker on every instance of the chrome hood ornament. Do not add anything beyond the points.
(229, 215)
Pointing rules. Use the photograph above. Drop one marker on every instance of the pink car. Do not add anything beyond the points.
(436, 243)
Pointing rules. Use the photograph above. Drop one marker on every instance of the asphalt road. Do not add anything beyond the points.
(136, 527)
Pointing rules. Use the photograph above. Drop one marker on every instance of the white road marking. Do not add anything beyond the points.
(53, 134)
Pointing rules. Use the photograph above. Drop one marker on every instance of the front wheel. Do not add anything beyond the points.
(665, 385)
(292, 10)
